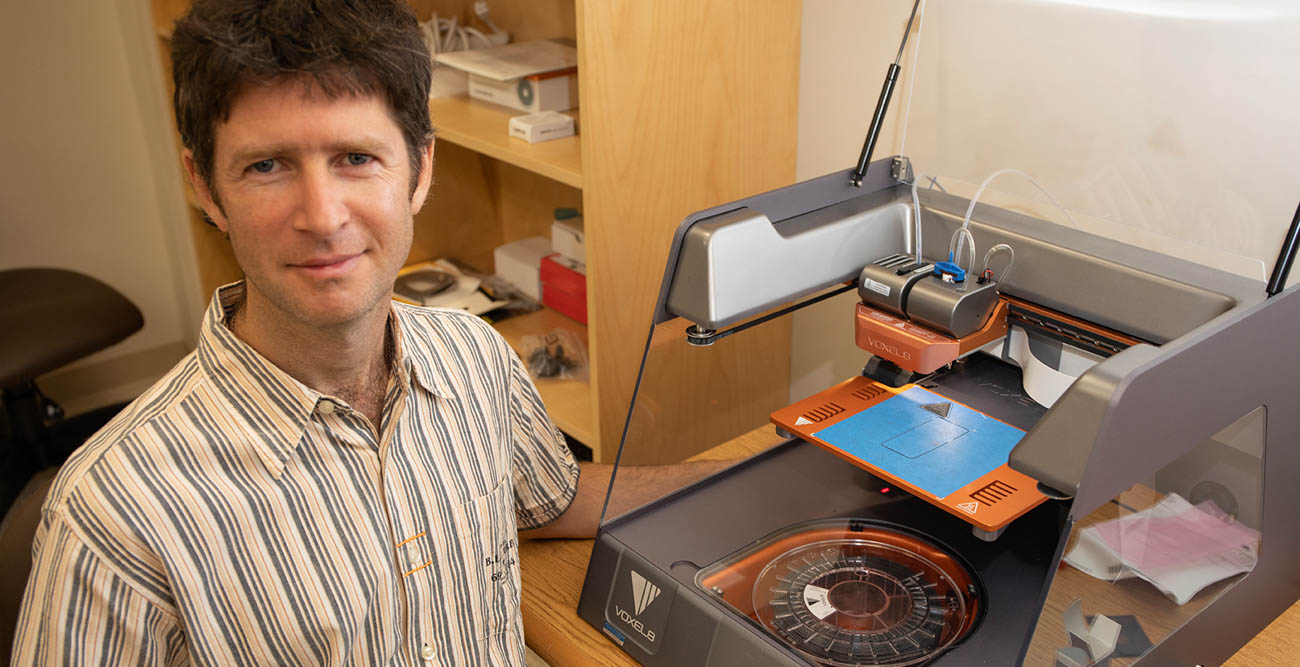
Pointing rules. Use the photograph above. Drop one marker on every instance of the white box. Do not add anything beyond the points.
(448, 82)
(542, 126)
(519, 263)
(552, 91)
(567, 239)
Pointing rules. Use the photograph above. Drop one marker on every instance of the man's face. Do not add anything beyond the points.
(315, 195)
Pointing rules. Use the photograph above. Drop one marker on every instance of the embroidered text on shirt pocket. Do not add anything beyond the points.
(487, 533)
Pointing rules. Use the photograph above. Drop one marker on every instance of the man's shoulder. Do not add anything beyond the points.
(104, 451)
(108, 494)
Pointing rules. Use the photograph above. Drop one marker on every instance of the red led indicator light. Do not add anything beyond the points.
(884, 489)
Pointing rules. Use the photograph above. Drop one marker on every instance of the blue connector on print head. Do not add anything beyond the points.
(949, 271)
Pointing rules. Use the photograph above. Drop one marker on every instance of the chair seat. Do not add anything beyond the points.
(52, 317)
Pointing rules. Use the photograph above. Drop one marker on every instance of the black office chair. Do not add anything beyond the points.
(16, 532)
(48, 318)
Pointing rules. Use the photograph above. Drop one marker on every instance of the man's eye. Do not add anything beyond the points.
(358, 159)
(263, 166)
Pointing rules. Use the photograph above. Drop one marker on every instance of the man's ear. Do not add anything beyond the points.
(204, 195)
(426, 179)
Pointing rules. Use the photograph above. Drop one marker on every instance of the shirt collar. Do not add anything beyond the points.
(274, 407)
(427, 370)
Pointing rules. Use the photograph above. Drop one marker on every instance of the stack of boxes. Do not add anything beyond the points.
(539, 77)
(564, 272)
(553, 271)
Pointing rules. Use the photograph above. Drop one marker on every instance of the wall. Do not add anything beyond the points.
(90, 182)
(1193, 141)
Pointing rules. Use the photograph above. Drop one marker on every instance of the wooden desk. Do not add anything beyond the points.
(553, 570)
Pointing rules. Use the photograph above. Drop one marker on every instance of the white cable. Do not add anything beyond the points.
(444, 35)
(954, 253)
(963, 232)
(907, 110)
(476, 33)
(970, 209)
(485, 14)
(911, 79)
(916, 216)
(993, 251)
(449, 34)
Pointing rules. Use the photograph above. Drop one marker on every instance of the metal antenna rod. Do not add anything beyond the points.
(882, 105)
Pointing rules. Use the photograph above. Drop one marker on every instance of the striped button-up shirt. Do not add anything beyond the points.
(233, 516)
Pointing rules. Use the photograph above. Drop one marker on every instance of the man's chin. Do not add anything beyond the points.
(331, 305)
(332, 310)
(340, 316)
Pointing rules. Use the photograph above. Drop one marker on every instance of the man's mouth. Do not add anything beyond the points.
(326, 266)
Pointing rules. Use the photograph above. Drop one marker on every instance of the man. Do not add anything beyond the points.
(330, 478)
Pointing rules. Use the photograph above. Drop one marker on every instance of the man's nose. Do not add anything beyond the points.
(322, 209)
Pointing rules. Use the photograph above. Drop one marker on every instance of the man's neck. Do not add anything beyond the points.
(350, 361)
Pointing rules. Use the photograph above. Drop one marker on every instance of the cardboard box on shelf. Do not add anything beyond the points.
(564, 286)
(448, 82)
(539, 75)
(550, 91)
(542, 126)
(519, 263)
(567, 237)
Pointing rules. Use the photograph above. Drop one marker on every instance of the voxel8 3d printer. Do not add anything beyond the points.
(1079, 447)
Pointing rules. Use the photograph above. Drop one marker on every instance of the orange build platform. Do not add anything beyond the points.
(935, 448)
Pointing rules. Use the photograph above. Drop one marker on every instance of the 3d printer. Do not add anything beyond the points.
(1077, 425)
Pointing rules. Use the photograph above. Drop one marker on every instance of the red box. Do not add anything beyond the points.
(564, 286)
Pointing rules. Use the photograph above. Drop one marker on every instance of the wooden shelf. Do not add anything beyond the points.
(482, 127)
(568, 401)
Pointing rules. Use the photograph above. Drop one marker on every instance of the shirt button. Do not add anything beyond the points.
(426, 651)
(326, 407)
(412, 558)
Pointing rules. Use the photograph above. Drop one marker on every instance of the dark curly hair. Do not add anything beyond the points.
(347, 47)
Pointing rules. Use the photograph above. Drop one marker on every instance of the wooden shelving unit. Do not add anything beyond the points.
(482, 128)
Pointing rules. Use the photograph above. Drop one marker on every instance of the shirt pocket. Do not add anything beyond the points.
(486, 533)
(472, 456)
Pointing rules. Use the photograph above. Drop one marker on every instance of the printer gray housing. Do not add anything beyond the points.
(1215, 353)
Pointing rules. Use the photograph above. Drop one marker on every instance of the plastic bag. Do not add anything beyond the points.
(559, 354)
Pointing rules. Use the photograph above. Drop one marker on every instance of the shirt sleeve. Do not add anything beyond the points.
(78, 611)
(545, 473)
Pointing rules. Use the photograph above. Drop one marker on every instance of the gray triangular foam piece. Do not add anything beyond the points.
(940, 409)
